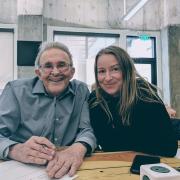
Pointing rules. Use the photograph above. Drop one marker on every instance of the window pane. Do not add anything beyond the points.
(77, 47)
(97, 43)
(6, 56)
(94, 45)
(138, 48)
(144, 70)
(84, 49)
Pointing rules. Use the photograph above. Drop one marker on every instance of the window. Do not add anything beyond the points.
(84, 47)
(27, 52)
(84, 43)
(7, 56)
(143, 52)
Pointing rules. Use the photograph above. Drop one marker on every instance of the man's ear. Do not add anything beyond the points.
(38, 73)
(72, 72)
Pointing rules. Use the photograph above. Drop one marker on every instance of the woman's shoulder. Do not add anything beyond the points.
(92, 94)
(145, 85)
(146, 90)
(92, 97)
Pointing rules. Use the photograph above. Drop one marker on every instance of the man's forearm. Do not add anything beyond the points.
(5, 143)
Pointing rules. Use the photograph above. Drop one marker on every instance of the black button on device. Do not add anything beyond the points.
(160, 169)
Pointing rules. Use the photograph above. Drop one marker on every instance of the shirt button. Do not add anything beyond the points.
(55, 139)
(57, 119)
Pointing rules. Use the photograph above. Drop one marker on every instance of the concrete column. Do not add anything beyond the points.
(30, 27)
(174, 66)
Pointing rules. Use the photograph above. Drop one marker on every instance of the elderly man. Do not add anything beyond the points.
(38, 114)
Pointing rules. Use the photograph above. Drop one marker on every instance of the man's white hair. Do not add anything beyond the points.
(49, 45)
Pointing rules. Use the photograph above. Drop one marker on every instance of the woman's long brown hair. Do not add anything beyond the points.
(130, 91)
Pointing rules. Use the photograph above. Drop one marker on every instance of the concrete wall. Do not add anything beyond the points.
(174, 65)
(171, 13)
(155, 15)
(8, 11)
(147, 18)
(171, 66)
(92, 13)
(103, 14)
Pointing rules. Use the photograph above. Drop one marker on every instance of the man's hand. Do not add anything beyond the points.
(66, 161)
(36, 150)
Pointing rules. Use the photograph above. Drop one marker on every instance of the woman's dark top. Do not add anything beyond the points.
(150, 130)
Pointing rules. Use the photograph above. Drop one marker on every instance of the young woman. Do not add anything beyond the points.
(126, 112)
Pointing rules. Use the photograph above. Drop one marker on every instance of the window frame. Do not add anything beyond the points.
(158, 66)
(151, 61)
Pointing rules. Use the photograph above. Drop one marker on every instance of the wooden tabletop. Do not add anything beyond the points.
(113, 166)
(113, 156)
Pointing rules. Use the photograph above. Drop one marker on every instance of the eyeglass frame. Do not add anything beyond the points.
(49, 69)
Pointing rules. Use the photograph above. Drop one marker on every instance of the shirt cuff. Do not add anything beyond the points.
(4, 148)
(87, 146)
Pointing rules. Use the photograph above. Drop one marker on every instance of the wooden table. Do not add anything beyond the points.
(113, 166)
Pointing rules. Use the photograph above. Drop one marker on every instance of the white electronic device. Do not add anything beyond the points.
(159, 171)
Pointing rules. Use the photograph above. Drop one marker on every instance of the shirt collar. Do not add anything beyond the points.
(68, 90)
(39, 89)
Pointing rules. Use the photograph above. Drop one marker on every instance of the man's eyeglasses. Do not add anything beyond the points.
(61, 66)
(112, 71)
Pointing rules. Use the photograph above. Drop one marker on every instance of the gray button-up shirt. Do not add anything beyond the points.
(27, 110)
